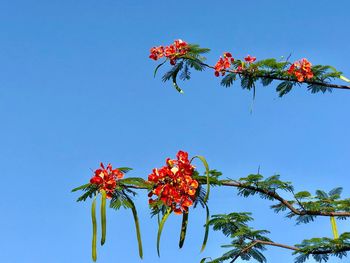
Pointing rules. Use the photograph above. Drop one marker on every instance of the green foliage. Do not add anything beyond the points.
(247, 81)
(230, 223)
(270, 69)
(321, 202)
(284, 87)
(228, 80)
(214, 176)
(271, 65)
(124, 170)
(244, 244)
(172, 74)
(265, 71)
(90, 191)
(121, 198)
(325, 73)
(135, 182)
(322, 248)
(248, 243)
(256, 184)
(266, 81)
(302, 195)
(192, 60)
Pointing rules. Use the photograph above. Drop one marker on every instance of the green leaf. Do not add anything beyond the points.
(195, 63)
(196, 49)
(336, 191)
(284, 87)
(91, 190)
(247, 82)
(124, 169)
(103, 216)
(206, 233)
(120, 199)
(167, 76)
(82, 187)
(185, 74)
(137, 227)
(136, 181)
(94, 229)
(303, 194)
(321, 194)
(228, 80)
(266, 81)
(160, 228)
(183, 229)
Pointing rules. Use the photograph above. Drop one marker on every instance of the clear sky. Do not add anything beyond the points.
(77, 88)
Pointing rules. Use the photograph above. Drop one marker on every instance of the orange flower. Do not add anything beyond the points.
(173, 184)
(172, 52)
(106, 179)
(223, 64)
(249, 59)
(156, 52)
(301, 69)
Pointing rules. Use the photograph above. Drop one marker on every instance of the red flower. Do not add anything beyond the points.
(173, 184)
(178, 48)
(301, 70)
(156, 52)
(249, 59)
(172, 52)
(106, 179)
(223, 64)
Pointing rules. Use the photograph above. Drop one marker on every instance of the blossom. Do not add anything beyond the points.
(106, 178)
(172, 52)
(174, 185)
(249, 59)
(223, 64)
(301, 70)
(156, 52)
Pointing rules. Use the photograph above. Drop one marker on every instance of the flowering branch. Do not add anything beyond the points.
(253, 187)
(177, 186)
(183, 57)
(272, 77)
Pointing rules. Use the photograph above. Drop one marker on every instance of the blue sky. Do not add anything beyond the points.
(77, 88)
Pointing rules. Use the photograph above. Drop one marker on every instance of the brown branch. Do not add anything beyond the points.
(316, 252)
(246, 249)
(271, 243)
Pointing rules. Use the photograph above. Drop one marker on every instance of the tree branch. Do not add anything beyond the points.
(246, 73)
(271, 243)
(283, 201)
(274, 195)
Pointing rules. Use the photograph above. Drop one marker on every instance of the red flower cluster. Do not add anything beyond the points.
(249, 59)
(172, 52)
(223, 64)
(106, 178)
(301, 70)
(174, 185)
